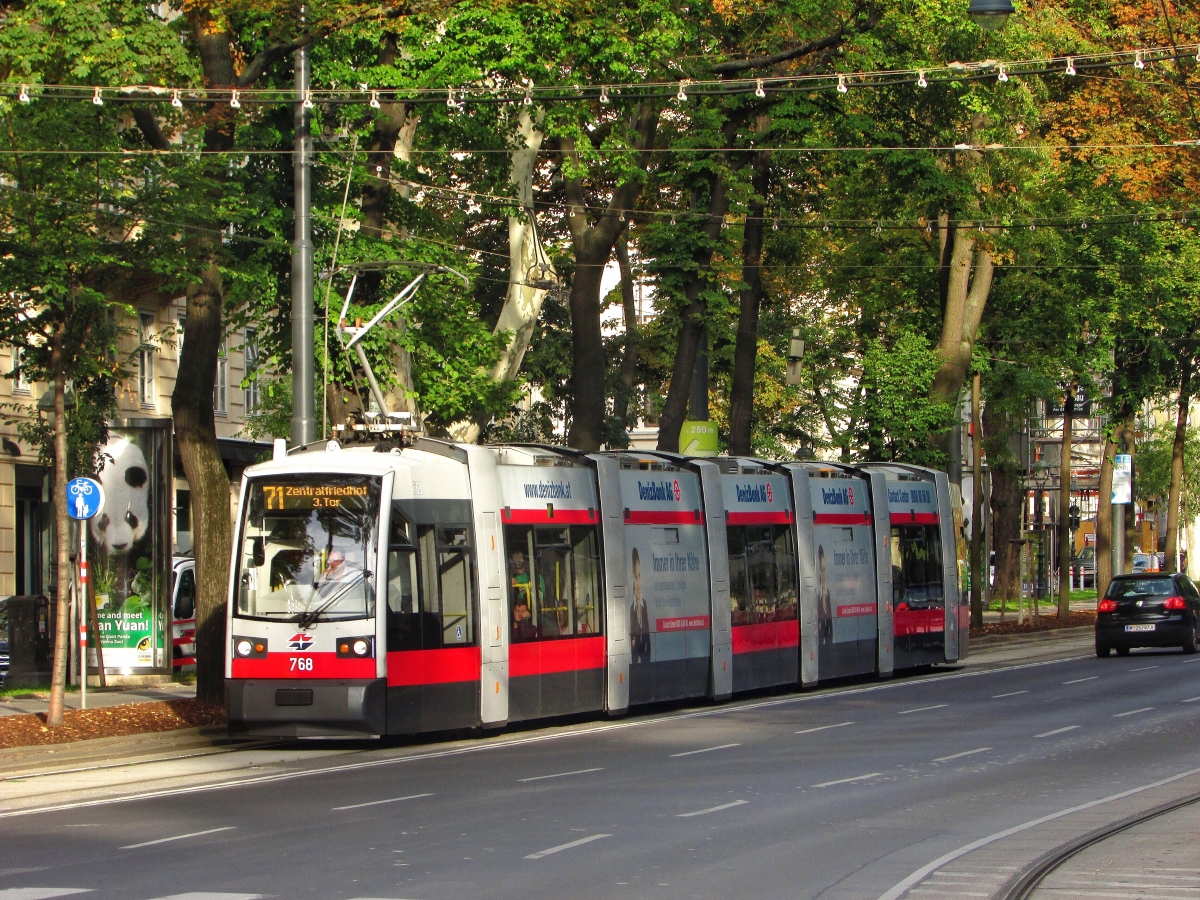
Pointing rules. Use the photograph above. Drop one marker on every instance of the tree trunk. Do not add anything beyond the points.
(966, 280)
(62, 531)
(593, 242)
(745, 354)
(1064, 504)
(1177, 446)
(1129, 439)
(691, 325)
(629, 352)
(1104, 514)
(196, 438)
(588, 363)
(1007, 501)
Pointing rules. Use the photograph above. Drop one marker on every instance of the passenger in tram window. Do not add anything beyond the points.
(639, 617)
(523, 628)
(824, 607)
(522, 587)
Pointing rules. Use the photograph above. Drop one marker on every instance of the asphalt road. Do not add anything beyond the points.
(857, 791)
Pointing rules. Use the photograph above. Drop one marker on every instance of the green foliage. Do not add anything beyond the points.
(1152, 481)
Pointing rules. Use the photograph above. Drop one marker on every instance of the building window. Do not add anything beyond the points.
(253, 388)
(146, 361)
(220, 386)
(19, 381)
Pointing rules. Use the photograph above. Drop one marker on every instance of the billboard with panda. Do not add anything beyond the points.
(129, 548)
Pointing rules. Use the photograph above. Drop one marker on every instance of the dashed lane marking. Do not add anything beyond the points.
(178, 837)
(825, 784)
(712, 809)
(380, 802)
(961, 755)
(1145, 668)
(905, 712)
(561, 774)
(1056, 731)
(1009, 694)
(209, 895)
(843, 725)
(1133, 712)
(568, 846)
(705, 750)
(39, 893)
(1082, 680)
(1190, 700)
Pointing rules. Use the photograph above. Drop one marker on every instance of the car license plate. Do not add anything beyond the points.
(1139, 627)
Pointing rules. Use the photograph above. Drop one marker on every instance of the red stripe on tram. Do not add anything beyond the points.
(766, 636)
(759, 518)
(663, 517)
(915, 518)
(841, 518)
(412, 667)
(546, 517)
(918, 621)
(324, 665)
(556, 655)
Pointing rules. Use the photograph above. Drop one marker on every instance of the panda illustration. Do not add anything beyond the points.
(126, 513)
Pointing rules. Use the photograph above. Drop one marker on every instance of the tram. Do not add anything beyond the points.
(425, 585)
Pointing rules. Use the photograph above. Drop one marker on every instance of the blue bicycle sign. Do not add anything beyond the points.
(85, 498)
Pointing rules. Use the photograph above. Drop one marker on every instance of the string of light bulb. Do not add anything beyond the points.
(457, 97)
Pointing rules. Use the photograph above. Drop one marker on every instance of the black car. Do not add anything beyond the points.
(1148, 610)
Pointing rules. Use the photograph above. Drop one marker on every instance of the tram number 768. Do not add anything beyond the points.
(302, 664)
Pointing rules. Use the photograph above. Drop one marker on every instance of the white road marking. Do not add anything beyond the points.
(843, 725)
(380, 802)
(36, 893)
(1193, 659)
(1056, 731)
(1083, 882)
(209, 895)
(1082, 680)
(825, 784)
(562, 774)
(22, 871)
(562, 847)
(712, 809)
(506, 743)
(905, 712)
(1152, 875)
(1009, 694)
(1133, 712)
(705, 750)
(1190, 700)
(961, 755)
(1145, 668)
(922, 890)
(178, 837)
(896, 891)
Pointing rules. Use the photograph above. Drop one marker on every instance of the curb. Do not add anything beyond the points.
(1049, 636)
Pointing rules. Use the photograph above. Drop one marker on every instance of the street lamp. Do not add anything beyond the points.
(990, 15)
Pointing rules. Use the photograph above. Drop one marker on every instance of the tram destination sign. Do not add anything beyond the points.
(314, 496)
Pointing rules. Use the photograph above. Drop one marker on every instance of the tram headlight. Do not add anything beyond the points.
(249, 648)
(244, 648)
(355, 647)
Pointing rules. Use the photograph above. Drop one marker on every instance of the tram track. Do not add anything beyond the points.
(1023, 885)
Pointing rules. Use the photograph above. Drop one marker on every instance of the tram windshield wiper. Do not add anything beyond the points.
(309, 618)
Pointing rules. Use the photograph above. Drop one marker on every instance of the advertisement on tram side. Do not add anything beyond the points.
(547, 489)
(846, 604)
(756, 499)
(664, 541)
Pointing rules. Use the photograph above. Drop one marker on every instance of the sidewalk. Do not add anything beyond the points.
(38, 701)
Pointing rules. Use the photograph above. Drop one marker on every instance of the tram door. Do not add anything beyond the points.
(433, 648)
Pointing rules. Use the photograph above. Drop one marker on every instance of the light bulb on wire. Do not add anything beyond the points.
(1070, 70)
(1138, 61)
(682, 95)
(758, 90)
(604, 94)
(234, 102)
(97, 100)
(922, 81)
(23, 96)
(842, 89)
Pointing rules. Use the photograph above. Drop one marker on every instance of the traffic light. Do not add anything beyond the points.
(1073, 511)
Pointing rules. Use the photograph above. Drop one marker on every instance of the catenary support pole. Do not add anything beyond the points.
(304, 421)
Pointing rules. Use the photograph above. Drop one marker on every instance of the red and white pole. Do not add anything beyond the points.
(83, 617)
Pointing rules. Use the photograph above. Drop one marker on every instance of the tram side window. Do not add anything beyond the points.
(409, 627)
(916, 566)
(762, 574)
(554, 581)
(454, 577)
(739, 591)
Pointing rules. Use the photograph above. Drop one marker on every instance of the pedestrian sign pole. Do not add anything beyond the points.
(85, 498)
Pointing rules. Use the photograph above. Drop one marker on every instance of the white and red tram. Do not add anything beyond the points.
(441, 586)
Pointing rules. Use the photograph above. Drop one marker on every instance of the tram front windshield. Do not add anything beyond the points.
(308, 549)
